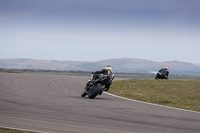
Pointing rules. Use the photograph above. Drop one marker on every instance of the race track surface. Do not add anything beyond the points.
(49, 103)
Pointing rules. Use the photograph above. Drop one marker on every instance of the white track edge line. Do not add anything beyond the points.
(150, 103)
(20, 129)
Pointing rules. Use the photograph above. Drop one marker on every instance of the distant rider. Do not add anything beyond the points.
(163, 73)
(106, 72)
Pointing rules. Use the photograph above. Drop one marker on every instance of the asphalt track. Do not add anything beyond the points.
(49, 103)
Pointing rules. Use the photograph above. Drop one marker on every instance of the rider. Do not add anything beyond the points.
(165, 72)
(108, 72)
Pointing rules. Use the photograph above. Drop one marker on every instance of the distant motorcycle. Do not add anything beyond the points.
(95, 86)
(160, 76)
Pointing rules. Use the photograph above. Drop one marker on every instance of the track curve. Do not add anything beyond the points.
(53, 104)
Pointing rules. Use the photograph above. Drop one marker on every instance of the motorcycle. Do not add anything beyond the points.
(160, 76)
(94, 86)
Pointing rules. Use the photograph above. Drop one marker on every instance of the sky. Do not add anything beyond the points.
(94, 30)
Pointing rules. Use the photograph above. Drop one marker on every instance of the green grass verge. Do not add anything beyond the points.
(5, 130)
(8, 72)
(183, 94)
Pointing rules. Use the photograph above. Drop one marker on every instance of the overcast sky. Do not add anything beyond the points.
(93, 30)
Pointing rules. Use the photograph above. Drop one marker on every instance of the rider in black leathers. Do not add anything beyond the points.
(108, 72)
(163, 73)
(105, 76)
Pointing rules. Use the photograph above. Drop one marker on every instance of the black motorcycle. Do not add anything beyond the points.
(95, 86)
(160, 76)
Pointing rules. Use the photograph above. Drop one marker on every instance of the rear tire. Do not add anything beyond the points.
(96, 91)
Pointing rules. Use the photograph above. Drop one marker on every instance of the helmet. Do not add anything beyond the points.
(166, 67)
(108, 67)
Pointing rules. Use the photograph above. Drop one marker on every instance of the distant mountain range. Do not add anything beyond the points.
(121, 65)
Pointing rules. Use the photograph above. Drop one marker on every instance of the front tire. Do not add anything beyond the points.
(95, 91)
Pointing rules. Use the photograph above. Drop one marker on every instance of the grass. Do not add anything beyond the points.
(183, 94)
(8, 72)
(152, 76)
(5, 130)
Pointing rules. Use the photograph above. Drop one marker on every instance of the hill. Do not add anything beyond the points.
(121, 65)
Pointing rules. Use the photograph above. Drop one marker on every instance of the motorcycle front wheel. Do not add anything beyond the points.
(95, 91)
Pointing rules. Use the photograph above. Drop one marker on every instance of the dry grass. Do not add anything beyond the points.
(6, 130)
(175, 93)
